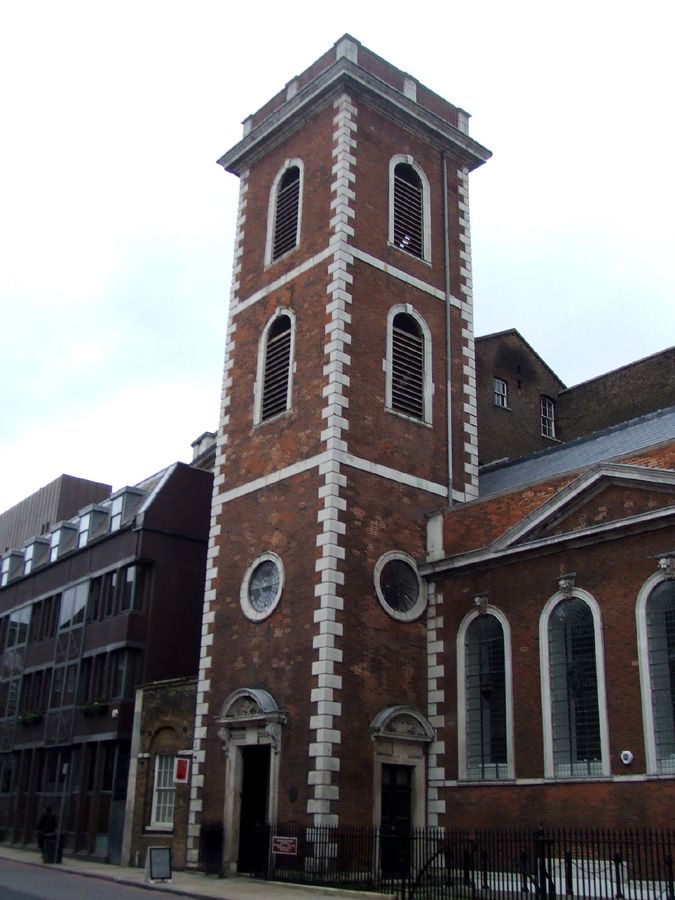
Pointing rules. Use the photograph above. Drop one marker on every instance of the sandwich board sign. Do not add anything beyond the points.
(158, 864)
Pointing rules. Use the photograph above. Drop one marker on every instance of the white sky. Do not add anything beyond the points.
(116, 224)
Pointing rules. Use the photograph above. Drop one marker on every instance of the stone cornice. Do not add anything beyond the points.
(345, 75)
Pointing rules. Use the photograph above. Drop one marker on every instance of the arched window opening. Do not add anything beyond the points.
(286, 213)
(277, 366)
(575, 720)
(661, 643)
(485, 677)
(407, 366)
(408, 210)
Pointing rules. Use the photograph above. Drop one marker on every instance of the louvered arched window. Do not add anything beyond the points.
(285, 211)
(408, 366)
(409, 208)
(274, 368)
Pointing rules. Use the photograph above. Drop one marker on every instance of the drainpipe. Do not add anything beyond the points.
(448, 321)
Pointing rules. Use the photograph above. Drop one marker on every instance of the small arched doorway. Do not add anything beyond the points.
(250, 730)
(401, 736)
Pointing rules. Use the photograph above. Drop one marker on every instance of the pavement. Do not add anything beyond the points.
(189, 884)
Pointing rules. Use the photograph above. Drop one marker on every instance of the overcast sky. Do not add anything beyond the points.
(116, 224)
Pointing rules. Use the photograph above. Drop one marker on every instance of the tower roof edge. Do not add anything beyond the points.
(352, 67)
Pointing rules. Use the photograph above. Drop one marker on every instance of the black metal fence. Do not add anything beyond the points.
(432, 863)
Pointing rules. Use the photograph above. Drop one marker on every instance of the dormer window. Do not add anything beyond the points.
(62, 539)
(284, 215)
(92, 523)
(35, 554)
(123, 505)
(12, 567)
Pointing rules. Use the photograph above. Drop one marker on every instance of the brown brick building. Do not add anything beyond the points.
(100, 602)
(380, 643)
(523, 407)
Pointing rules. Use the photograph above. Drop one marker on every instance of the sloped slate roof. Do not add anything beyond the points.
(618, 441)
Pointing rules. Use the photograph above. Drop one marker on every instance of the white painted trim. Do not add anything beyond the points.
(494, 552)
(242, 736)
(337, 456)
(613, 472)
(405, 277)
(365, 465)
(354, 253)
(240, 306)
(272, 210)
(426, 204)
(545, 679)
(326, 706)
(248, 609)
(420, 603)
(428, 387)
(461, 691)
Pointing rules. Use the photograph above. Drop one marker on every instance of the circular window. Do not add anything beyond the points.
(399, 587)
(262, 586)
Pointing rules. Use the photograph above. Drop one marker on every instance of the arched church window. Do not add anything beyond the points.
(485, 699)
(573, 676)
(661, 651)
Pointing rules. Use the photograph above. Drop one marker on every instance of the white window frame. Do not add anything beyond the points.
(652, 762)
(272, 211)
(167, 760)
(408, 309)
(421, 604)
(463, 762)
(500, 397)
(426, 206)
(547, 416)
(260, 367)
(546, 705)
(253, 614)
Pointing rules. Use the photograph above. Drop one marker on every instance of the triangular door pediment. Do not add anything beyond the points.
(600, 498)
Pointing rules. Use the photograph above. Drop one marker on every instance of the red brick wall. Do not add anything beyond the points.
(633, 390)
(516, 430)
(612, 571)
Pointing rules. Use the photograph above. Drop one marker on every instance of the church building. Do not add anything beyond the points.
(374, 631)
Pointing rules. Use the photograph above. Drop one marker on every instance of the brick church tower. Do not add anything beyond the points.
(348, 414)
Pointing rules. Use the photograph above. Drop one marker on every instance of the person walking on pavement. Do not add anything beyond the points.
(46, 825)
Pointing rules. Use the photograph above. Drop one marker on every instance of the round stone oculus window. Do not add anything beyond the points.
(262, 586)
(399, 587)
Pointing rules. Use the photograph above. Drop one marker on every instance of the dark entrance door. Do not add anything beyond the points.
(253, 829)
(396, 819)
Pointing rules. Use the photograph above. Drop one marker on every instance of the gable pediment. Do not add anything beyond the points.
(601, 498)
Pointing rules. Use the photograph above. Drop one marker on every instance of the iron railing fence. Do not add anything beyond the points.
(438, 864)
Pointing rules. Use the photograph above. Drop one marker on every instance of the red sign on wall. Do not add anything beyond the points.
(181, 770)
(286, 846)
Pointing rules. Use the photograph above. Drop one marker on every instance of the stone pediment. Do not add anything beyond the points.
(606, 497)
